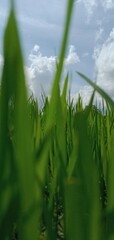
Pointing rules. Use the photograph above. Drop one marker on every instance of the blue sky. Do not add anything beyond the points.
(90, 46)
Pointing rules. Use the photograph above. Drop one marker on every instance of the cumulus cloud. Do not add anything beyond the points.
(72, 56)
(104, 64)
(41, 70)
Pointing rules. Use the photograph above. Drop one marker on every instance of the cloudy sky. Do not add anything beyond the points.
(90, 47)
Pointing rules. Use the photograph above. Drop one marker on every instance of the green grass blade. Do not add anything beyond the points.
(64, 92)
(13, 77)
(82, 204)
(98, 89)
(55, 89)
(110, 209)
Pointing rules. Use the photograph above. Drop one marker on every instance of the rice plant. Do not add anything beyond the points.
(56, 162)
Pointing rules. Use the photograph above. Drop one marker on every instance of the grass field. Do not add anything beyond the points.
(56, 163)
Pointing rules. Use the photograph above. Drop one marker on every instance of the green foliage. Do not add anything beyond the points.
(15, 155)
(56, 163)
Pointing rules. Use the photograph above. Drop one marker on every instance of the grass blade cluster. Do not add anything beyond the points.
(56, 163)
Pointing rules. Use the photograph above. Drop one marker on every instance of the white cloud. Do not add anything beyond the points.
(41, 70)
(72, 57)
(41, 63)
(104, 64)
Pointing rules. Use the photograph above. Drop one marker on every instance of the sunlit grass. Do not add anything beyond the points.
(56, 163)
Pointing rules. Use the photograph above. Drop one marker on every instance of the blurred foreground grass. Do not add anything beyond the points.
(56, 163)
